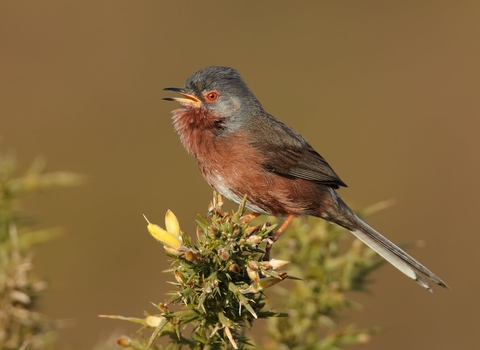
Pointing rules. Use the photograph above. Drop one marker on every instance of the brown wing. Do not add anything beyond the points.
(287, 153)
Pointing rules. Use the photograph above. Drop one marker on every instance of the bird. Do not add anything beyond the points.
(241, 150)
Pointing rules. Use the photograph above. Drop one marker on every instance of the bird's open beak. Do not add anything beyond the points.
(186, 99)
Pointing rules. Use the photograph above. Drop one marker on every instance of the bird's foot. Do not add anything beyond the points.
(277, 235)
(215, 206)
(249, 217)
(217, 211)
(282, 228)
(268, 248)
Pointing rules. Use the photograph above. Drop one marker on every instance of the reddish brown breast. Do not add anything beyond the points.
(196, 128)
(233, 168)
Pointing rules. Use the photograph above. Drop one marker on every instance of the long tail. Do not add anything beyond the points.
(342, 215)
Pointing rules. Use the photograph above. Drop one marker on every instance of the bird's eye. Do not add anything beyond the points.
(211, 96)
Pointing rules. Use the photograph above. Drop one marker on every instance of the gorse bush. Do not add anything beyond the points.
(221, 276)
(221, 281)
(21, 326)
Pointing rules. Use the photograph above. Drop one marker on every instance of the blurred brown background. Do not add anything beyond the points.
(388, 92)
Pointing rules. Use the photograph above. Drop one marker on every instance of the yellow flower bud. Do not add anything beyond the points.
(173, 251)
(253, 274)
(254, 239)
(178, 277)
(154, 321)
(252, 265)
(171, 223)
(265, 265)
(276, 263)
(250, 230)
(264, 283)
(163, 236)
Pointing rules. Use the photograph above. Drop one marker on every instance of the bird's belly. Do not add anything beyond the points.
(267, 193)
(222, 186)
(235, 175)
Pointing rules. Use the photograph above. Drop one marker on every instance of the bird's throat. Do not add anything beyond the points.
(197, 129)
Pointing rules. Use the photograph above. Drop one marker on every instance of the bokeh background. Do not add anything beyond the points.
(388, 92)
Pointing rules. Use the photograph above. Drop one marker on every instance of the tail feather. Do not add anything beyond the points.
(383, 246)
(401, 264)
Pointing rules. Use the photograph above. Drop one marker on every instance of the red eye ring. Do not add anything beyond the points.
(211, 96)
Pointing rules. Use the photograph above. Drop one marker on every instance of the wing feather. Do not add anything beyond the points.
(287, 153)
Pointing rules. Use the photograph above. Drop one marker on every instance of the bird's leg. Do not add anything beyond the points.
(249, 217)
(217, 210)
(277, 234)
(216, 205)
(282, 228)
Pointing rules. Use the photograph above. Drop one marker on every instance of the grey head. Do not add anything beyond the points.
(221, 91)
